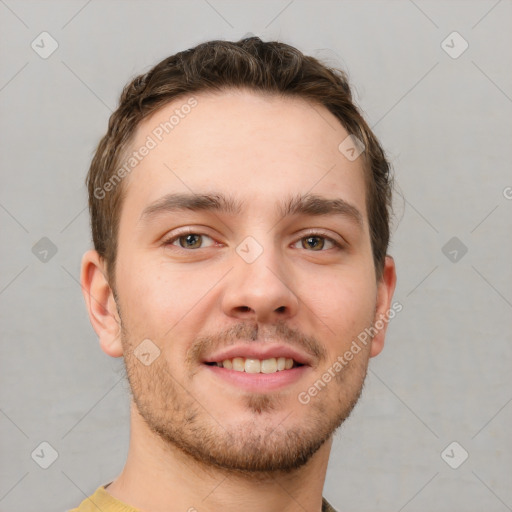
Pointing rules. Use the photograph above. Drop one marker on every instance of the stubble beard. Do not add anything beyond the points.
(256, 448)
(247, 448)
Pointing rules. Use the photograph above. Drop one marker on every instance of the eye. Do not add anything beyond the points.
(317, 241)
(188, 240)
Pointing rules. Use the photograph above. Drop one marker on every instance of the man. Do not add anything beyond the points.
(239, 208)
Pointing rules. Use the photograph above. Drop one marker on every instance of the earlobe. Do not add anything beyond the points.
(100, 303)
(385, 290)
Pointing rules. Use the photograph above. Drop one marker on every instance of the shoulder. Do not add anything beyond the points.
(326, 506)
(102, 500)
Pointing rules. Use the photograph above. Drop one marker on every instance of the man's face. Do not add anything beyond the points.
(206, 285)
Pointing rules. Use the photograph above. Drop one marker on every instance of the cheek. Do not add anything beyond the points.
(344, 302)
(150, 297)
(163, 301)
(157, 306)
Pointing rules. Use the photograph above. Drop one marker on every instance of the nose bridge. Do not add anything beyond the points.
(258, 284)
(259, 261)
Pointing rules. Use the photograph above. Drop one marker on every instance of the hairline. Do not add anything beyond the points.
(213, 91)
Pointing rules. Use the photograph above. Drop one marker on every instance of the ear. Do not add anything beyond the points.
(100, 303)
(385, 290)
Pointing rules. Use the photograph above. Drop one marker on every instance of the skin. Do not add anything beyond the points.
(196, 440)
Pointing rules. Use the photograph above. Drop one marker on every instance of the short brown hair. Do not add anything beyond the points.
(268, 67)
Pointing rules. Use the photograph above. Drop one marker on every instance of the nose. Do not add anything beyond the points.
(260, 291)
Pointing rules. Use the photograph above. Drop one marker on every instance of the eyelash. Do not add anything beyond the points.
(312, 234)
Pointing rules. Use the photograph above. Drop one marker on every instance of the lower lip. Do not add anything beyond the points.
(258, 382)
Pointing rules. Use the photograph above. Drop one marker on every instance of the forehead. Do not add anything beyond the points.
(258, 147)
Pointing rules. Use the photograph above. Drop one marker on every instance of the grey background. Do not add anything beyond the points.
(444, 375)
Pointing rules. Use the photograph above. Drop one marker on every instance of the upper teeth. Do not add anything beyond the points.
(272, 365)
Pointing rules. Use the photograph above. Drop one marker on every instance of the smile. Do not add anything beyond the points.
(251, 365)
(257, 381)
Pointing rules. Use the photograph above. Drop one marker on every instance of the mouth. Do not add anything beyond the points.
(259, 367)
(252, 365)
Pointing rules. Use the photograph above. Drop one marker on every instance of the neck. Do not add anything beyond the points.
(159, 477)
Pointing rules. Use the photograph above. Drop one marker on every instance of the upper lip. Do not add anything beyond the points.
(259, 352)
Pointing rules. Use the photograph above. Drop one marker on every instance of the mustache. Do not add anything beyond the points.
(279, 332)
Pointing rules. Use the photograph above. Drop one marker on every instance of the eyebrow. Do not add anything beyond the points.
(309, 204)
